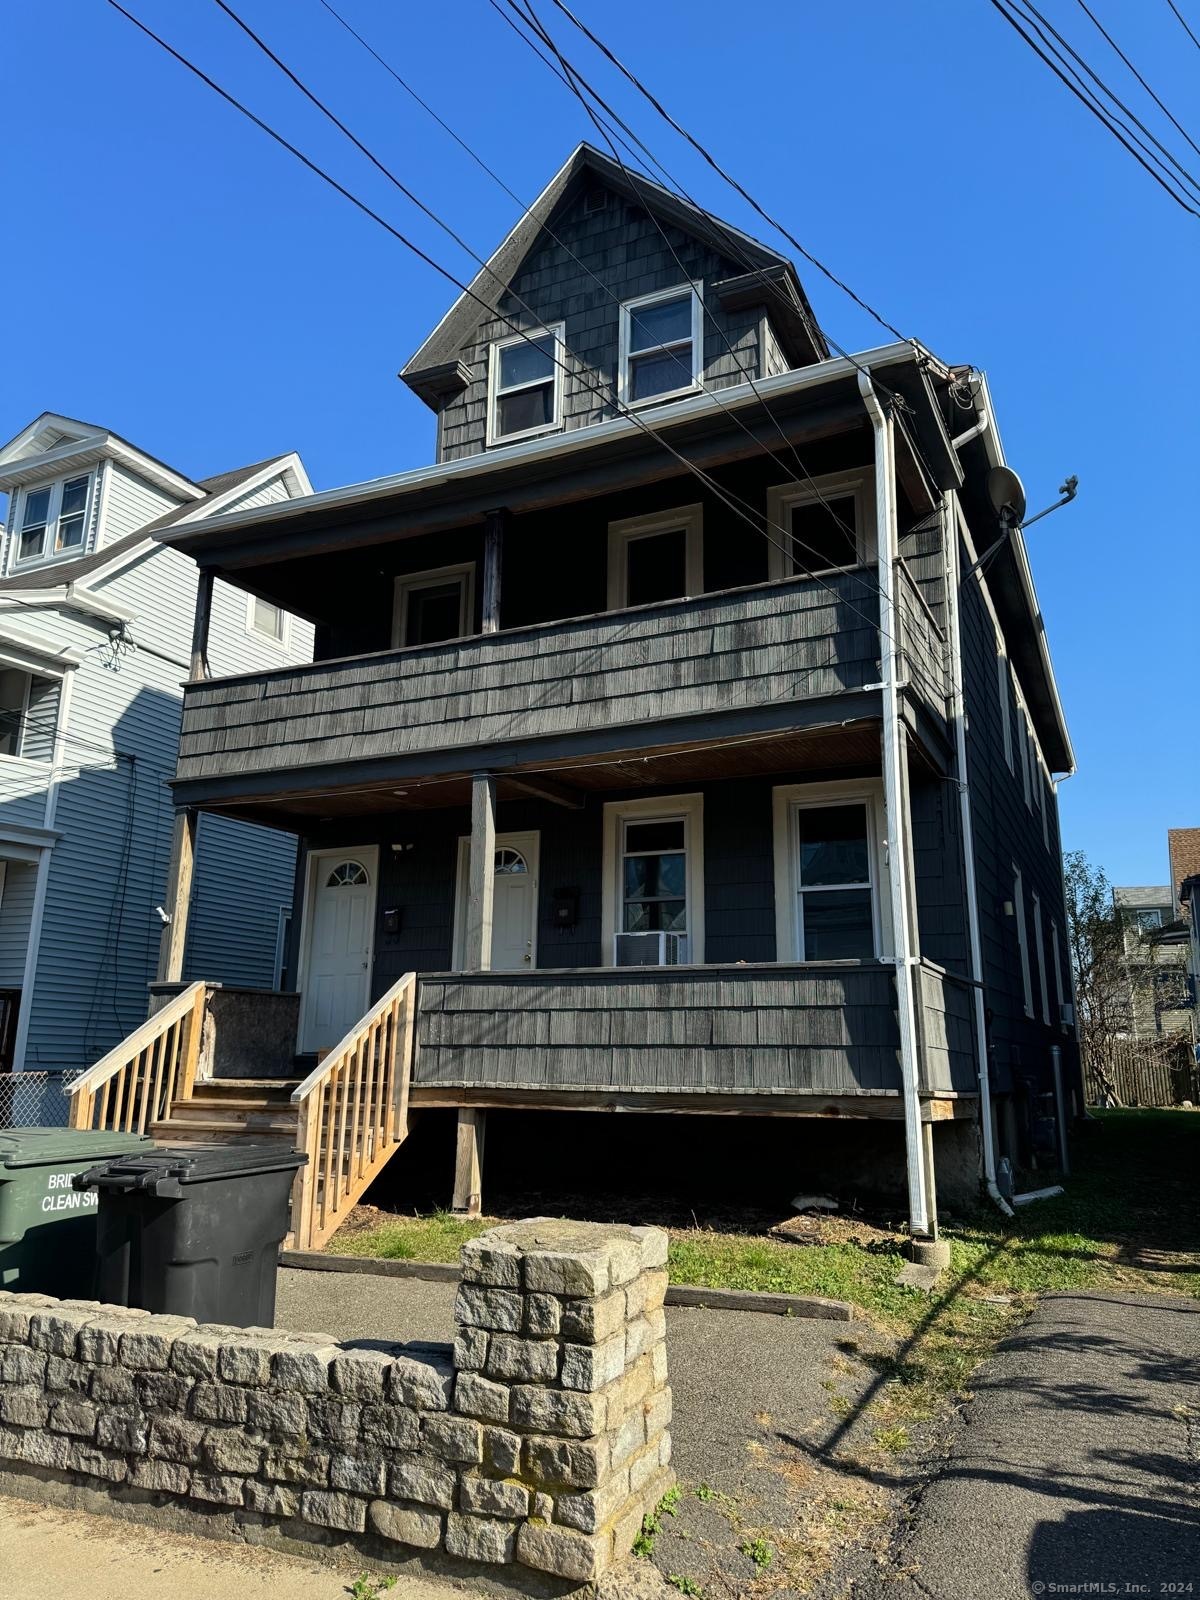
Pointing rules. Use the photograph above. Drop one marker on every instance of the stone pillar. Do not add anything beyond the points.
(561, 1357)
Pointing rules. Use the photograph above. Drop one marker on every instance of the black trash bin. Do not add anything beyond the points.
(194, 1231)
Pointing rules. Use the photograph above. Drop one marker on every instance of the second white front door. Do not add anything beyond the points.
(338, 936)
(514, 902)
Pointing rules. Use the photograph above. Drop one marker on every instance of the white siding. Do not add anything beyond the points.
(132, 503)
(275, 489)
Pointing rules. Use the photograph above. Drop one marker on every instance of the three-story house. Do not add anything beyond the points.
(663, 748)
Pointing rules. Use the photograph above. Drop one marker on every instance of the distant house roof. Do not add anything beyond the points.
(1142, 898)
(65, 572)
(434, 365)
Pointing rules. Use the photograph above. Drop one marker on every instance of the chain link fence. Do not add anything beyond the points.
(36, 1099)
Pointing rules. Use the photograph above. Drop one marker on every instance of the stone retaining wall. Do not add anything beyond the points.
(541, 1438)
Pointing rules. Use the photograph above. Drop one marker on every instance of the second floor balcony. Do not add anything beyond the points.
(792, 653)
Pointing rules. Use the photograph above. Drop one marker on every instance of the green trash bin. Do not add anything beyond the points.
(47, 1227)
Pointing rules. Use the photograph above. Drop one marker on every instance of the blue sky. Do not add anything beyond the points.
(173, 275)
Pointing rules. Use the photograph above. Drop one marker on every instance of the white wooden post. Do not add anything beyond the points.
(468, 1157)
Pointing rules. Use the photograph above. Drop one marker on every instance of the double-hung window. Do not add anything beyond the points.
(654, 882)
(661, 351)
(266, 619)
(28, 713)
(827, 885)
(525, 385)
(653, 558)
(53, 520)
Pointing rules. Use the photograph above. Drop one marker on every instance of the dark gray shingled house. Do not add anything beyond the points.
(662, 750)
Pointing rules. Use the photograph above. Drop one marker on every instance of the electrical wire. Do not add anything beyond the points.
(721, 173)
(1015, 22)
(1086, 9)
(732, 501)
(1183, 23)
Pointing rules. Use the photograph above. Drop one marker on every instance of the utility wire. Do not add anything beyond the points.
(745, 511)
(1183, 23)
(1084, 7)
(1046, 27)
(1052, 39)
(721, 172)
(1015, 22)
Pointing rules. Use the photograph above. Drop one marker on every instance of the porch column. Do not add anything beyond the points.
(468, 1158)
(494, 526)
(178, 900)
(482, 877)
(204, 592)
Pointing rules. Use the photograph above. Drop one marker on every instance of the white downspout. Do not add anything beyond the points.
(885, 541)
(974, 943)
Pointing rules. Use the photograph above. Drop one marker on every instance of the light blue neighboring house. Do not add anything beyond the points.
(95, 643)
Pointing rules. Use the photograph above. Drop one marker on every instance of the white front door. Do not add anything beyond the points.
(338, 941)
(514, 903)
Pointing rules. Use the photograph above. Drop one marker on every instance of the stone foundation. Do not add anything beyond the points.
(542, 1438)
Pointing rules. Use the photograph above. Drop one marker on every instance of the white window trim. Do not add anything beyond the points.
(624, 353)
(786, 800)
(1022, 939)
(781, 497)
(554, 331)
(1003, 682)
(284, 642)
(1024, 744)
(283, 927)
(625, 532)
(408, 581)
(667, 806)
(1039, 944)
(48, 556)
(529, 843)
(32, 669)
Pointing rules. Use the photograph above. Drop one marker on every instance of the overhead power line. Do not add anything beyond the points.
(1086, 9)
(1016, 22)
(716, 166)
(746, 512)
(1183, 23)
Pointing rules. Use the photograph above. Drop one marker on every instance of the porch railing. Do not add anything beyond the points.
(353, 1112)
(134, 1084)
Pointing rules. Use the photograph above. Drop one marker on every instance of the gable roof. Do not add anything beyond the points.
(211, 490)
(433, 368)
(53, 443)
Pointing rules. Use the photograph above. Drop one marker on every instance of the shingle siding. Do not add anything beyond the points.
(1007, 831)
(620, 254)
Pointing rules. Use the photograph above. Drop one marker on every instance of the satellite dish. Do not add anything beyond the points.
(1007, 494)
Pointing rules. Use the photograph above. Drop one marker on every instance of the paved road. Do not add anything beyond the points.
(1078, 1467)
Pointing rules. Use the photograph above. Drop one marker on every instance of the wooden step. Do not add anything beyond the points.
(243, 1088)
(235, 1110)
(196, 1130)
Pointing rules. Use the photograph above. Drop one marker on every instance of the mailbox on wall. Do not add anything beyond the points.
(564, 911)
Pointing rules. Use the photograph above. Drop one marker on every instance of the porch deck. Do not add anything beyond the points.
(778, 1037)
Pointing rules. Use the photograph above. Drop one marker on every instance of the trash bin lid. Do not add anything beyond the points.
(192, 1164)
(48, 1147)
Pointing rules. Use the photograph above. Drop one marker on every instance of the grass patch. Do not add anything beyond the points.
(1128, 1220)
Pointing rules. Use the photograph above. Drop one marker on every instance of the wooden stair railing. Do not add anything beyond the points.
(353, 1113)
(134, 1085)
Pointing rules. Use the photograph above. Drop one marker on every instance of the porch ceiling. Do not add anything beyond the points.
(823, 751)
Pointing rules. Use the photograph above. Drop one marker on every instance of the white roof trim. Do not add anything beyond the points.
(14, 642)
(566, 444)
(85, 448)
(67, 596)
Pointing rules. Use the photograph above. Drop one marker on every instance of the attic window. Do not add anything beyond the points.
(53, 520)
(597, 200)
(524, 385)
(660, 345)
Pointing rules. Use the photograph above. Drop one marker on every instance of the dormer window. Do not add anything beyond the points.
(661, 345)
(525, 385)
(53, 520)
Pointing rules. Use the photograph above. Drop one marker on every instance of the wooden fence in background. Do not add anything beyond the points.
(1150, 1072)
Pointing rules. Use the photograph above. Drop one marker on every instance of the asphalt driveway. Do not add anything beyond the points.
(1077, 1469)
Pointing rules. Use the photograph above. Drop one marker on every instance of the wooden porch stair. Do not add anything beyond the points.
(349, 1116)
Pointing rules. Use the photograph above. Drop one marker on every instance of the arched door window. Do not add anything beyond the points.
(348, 875)
(509, 861)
